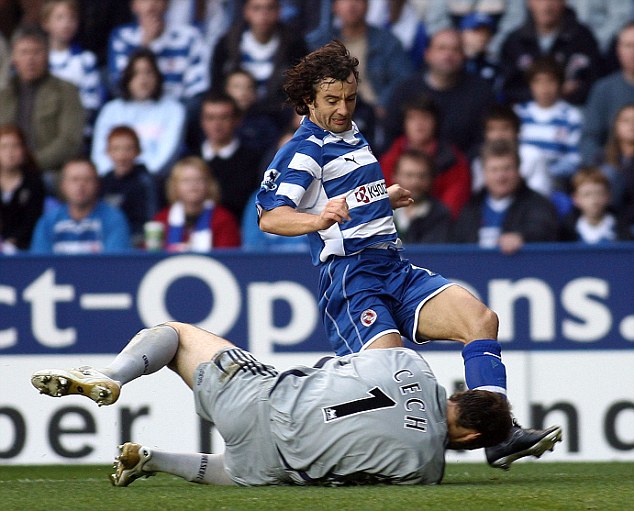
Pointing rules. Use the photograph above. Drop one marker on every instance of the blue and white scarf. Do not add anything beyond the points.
(200, 239)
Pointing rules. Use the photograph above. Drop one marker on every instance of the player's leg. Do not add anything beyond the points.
(135, 461)
(455, 314)
(180, 346)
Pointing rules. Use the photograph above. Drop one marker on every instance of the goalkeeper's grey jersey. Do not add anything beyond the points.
(375, 416)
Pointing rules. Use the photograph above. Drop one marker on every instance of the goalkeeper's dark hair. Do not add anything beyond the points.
(489, 413)
(332, 60)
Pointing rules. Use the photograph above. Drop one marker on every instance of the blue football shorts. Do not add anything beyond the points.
(373, 293)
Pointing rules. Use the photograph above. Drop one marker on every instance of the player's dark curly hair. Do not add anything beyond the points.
(486, 412)
(332, 60)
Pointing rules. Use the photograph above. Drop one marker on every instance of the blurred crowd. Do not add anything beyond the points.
(148, 124)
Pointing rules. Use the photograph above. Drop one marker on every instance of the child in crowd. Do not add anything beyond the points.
(502, 123)
(129, 186)
(21, 191)
(427, 220)
(477, 30)
(67, 60)
(452, 179)
(194, 220)
(591, 221)
(550, 123)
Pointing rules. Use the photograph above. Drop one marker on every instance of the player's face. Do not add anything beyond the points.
(11, 151)
(79, 184)
(501, 176)
(545, 89)
(122, 151)
(62, 23)
(30, 59)
(334, 104)
(592, 199)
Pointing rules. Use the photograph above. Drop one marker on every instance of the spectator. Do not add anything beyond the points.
(506, 214)
(236, 168)
(617, 162)
(258, 128)
(452, 182)
(502, 123)
(129, 186)
(591, 222)
(402, 20)
(255, 239)
(157, 119)
(179, 49)
(477, 30)
(550, 29)
(260, 43)
(382, 60)
(427, 220)
(83, 224)
(66, 59)
(550, 123)
(21, 191)
(607, 96)
(461, 98)
(47, 110)
(194, 220)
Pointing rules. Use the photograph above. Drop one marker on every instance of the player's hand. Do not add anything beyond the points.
(399, 196)
(510, 242)
(335, 212)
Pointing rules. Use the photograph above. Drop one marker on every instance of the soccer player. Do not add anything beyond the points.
(325, 182)
(373, 417)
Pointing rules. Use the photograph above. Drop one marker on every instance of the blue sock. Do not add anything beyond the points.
(483, 366)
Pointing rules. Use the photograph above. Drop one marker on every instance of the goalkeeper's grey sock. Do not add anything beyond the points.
(194, 467)
(147, 352)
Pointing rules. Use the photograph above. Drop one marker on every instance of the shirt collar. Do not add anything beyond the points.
(224, 153)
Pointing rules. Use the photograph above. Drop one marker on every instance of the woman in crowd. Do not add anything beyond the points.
(22, 191)
(194, 220)
(157, 119)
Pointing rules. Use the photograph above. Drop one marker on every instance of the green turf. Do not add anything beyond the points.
(467, 487)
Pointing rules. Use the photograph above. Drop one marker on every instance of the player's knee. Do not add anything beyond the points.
(485, 325)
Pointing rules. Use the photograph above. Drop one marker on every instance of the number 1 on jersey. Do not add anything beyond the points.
(378, 400)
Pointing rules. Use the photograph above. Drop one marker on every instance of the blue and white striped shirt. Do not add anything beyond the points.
(180, 55)
(79, 67)
(316, 166)
(555, 131)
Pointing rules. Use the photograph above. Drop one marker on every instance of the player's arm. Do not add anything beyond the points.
(287, 221)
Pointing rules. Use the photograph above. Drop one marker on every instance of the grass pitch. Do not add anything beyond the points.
(467, 487)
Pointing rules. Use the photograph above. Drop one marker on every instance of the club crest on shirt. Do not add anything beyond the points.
(368, 317)
(270, 176)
